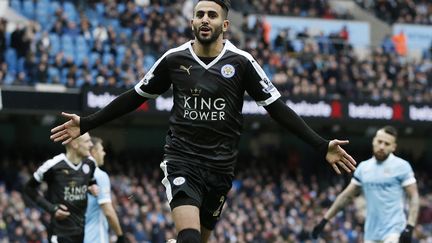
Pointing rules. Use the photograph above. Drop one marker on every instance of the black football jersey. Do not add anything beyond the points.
(67, 184)
(206, 118)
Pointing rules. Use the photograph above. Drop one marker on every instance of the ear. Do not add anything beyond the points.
(226, 25)
(191, 23)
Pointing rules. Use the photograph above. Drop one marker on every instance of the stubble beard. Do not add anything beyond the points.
(208, 39)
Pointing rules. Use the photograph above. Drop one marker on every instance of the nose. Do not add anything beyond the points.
(205, 19)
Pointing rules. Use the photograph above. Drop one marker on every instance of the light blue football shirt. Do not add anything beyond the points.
(96, 225)
(383, 187)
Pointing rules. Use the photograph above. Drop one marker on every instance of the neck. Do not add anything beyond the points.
(74, 158)
(209, 50)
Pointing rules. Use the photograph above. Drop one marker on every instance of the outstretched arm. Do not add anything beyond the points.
(341, 201)
(333, 151)
(75, 126)
(347, 195)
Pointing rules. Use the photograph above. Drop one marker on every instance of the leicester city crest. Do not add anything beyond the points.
(228, 71)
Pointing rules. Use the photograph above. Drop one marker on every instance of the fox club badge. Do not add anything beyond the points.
(228, 71)
(86, 168)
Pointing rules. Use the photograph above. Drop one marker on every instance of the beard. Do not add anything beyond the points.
(209, 39)
(381, 156)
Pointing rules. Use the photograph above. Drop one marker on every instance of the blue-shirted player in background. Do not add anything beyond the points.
(383, 179)
(100, 211)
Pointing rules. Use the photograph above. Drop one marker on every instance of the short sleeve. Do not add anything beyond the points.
(44, 171)
(258, 85)
(406, 176)
(357, 178)
(156, 81)
(104, 184)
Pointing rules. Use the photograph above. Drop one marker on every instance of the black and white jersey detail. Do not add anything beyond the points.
(206, 118)
(67, 184)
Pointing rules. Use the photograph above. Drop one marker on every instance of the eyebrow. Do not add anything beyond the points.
(209, 11)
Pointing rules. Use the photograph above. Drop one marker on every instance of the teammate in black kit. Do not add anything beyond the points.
(209, 77)
(68, 176)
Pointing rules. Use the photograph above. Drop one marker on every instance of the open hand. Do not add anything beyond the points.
(68, 130)
(338, 157)
(61, 212)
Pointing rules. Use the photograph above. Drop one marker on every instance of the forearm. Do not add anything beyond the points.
(32, 192)
(341, 201)
(113, 220)
(287, 118)
(123, 104)
(414, 207)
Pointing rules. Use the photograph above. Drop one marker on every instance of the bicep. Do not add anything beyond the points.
(156, 81)
(258, 85)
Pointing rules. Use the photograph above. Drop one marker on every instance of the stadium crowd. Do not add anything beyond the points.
(111, 43)
(279, 201)
(406, 11)
(305, 8)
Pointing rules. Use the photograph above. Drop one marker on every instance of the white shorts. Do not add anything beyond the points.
(392, 238)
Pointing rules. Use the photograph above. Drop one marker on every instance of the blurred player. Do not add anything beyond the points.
(100, 211)
(68, 177)
(209, 76)
(383, 179)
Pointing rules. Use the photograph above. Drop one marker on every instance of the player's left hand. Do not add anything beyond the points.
(121, 239)
(406, 235)
(338, 157)
(94, 189)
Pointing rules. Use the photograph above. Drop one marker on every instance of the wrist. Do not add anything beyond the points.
(54, 209)
(409, 227)
(324, 221)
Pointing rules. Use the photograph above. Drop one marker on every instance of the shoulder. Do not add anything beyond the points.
(99, 173)
(401, 163)
(241, 54)
(365, 164)
(54, 161)
(176, 51)
(48, 165)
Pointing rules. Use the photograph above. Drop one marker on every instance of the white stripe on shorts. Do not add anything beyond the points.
(165, 181)
(54, 239)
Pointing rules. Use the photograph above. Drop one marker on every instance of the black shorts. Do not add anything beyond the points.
(187, 184)
(66, 239)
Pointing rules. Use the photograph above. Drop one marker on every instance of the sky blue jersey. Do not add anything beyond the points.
(96, 225)
(383, 187)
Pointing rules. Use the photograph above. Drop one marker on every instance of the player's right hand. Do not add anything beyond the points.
(61, 212)
(68, 130)
(318, 229)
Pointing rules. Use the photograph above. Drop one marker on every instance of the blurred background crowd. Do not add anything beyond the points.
(112, 43)
(276, 201)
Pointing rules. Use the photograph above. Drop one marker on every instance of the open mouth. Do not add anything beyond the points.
(205, 30)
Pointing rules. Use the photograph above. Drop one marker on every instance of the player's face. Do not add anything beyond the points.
(83, 145)
(383, 144)
(208, 23)
(98, 153)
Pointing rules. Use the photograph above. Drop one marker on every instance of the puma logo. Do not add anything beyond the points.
(185, 68)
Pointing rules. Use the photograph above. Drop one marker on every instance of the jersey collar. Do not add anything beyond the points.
(68, 162)
(207, 66)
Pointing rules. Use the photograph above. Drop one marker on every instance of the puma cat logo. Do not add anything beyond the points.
(185, 68)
